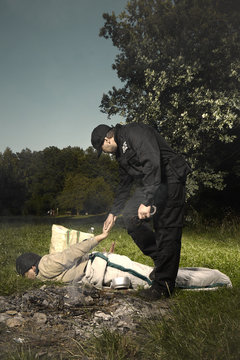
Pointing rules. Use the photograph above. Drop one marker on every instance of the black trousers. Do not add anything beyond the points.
(160, 239)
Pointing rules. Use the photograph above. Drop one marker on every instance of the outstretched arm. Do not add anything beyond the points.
(53, 265)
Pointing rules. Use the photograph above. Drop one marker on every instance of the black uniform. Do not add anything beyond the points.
(145, 158)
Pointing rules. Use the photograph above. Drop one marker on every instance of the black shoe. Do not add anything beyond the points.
(152, 274)
(154, 293)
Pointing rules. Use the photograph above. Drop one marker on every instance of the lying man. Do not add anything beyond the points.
(76, 264)
(65, 266)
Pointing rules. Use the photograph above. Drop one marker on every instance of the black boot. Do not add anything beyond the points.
(155, 292)
(152, 274)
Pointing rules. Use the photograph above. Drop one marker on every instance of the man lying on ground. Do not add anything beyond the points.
(65, 266)
(76, 264)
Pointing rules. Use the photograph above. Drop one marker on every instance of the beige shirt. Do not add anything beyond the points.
(68, 265)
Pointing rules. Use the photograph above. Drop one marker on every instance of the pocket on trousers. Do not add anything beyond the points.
(173, 213)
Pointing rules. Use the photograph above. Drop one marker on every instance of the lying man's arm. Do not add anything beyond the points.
(53, 265)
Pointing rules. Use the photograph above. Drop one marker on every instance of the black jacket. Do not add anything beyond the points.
(142, 155)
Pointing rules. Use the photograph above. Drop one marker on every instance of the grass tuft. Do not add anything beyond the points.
(108, 346)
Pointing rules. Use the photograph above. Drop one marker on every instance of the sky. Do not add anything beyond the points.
(54, 69)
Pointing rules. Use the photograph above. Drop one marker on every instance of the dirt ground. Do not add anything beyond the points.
(50, 322)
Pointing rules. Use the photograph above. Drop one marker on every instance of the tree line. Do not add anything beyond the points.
(71, 180)
(179, 63)
(75, 181)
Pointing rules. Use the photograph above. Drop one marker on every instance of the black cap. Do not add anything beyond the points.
(25, 261)
(98, 135)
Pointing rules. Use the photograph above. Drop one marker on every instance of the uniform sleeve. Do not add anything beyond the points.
(53, 265)
(122, 192)
(144, 142)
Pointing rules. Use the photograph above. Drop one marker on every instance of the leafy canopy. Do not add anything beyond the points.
(179, 64)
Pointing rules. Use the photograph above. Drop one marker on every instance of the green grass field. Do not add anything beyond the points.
(204, 325)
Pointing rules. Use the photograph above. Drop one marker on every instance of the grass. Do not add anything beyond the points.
(109, 346)
(203, 325)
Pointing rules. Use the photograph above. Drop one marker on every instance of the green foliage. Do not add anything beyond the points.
(74, 192)
(12, 191)
(85, 195)
(35, 182)
(195, 120)
(99, 196)
(179, 62)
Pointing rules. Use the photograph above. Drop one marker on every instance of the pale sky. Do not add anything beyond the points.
(54, 69)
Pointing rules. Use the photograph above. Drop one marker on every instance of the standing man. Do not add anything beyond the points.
(145, 158)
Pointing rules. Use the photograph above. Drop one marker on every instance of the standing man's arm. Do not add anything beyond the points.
(122, 194)
(144, 142)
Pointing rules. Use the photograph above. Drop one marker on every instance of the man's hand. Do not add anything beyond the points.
(109, 222)
(144, 211)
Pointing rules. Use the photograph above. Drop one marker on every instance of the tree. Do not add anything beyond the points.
(45, 179)
(82, 194)
(74, 193)
(35, 182)
(12, 189)
(179, 62)
(45, 174)
(106, 167)
(99, 196)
